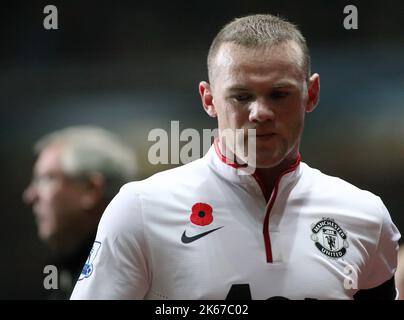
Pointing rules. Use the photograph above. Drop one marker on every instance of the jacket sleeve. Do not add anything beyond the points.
(379, 282)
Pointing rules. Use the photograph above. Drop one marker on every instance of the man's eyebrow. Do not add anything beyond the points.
(285, 84)
(237, 88)
(279, 85)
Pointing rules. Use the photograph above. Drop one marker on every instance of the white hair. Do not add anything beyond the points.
(88, 150)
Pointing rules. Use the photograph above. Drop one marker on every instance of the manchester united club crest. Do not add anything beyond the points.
(329, 238)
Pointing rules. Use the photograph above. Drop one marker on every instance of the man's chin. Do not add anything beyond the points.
(264, 159)
(268, 161)
(45, 235)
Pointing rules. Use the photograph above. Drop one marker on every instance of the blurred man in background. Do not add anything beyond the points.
(77, 172)
(400, 272)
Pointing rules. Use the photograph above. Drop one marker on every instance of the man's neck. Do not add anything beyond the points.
(81, 233)
(269, 176)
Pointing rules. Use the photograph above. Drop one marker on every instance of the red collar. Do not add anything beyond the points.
(236, 165)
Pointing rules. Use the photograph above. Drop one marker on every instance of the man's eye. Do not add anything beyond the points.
(279, 94)
(242, 97)
(44, 179)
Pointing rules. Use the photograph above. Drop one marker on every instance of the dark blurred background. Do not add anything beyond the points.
(135, 66)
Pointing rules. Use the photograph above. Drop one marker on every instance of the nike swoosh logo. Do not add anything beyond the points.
(186, 239)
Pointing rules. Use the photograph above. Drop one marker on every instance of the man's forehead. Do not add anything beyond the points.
(50, 158)
(278, 66)
(231, 55)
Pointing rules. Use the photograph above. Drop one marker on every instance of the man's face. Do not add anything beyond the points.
(263, 89)
(54, 198)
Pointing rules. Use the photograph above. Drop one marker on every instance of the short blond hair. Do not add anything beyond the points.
(260, 30)
(90, 149)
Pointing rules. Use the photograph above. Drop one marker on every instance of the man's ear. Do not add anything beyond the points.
(93, 192)
(207, 98)
(313, 92)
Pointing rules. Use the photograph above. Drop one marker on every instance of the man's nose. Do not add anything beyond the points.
(261, 111)
(30, 194)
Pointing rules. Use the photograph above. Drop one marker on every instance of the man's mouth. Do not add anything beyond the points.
(265, 135)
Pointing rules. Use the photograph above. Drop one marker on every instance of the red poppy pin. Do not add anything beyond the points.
(201, 214)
